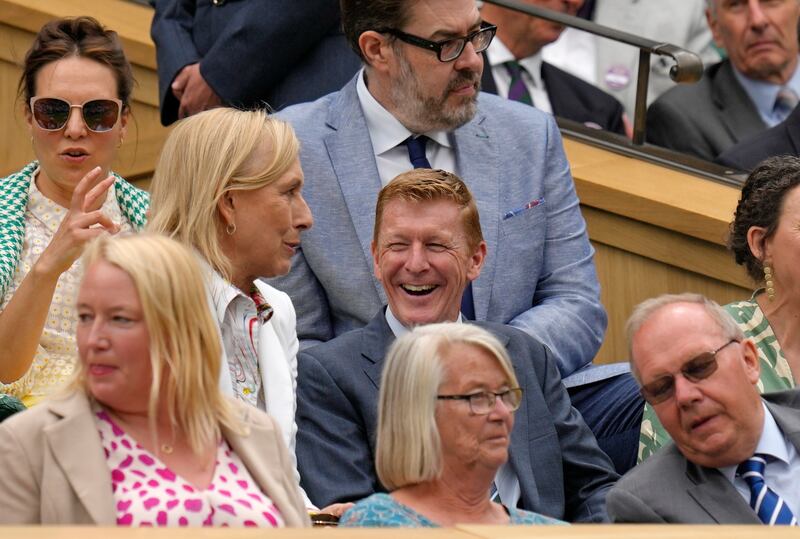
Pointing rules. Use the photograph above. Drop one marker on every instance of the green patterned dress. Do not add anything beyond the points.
(776, 375)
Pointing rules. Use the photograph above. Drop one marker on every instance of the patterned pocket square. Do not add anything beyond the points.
(529, 205)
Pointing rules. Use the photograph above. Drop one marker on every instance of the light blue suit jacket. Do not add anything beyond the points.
(539, 275)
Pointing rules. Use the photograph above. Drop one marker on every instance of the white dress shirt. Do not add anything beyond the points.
(498, 54)
(387, 135)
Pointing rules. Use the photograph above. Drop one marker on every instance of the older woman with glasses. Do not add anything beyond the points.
(76, 85)
(446, 411)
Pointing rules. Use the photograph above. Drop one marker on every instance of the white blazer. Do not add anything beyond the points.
(277, 361)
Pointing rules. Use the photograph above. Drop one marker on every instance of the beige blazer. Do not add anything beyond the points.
(53, 470)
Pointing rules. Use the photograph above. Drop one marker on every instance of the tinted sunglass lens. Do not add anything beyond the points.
(100, 114)
(51, 114)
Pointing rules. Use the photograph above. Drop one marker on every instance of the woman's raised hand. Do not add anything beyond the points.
(84, 221)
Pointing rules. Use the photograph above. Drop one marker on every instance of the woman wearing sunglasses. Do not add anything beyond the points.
(445, 414)
(76, 86)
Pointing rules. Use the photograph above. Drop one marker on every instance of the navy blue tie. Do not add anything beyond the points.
(416, 153)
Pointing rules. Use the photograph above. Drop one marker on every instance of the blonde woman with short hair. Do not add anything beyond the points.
(446, 411)
(144, 437)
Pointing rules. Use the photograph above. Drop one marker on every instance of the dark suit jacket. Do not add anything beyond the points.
(252, 51)
(706, 118)
(668, 488)
(783, 139)
(562, 472)
(572, 98)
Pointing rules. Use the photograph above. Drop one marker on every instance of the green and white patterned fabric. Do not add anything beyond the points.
(776, 375)
(14, 191)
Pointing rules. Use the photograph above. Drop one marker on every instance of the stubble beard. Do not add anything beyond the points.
(421, 113)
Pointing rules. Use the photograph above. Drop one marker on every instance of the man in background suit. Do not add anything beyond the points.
(756, 87)
(539, 276)
(516, 69)
(735, 455)
(783, 139)
(427, 247)
(247, 53)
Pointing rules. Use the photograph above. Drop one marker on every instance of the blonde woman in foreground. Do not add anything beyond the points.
(145, 437)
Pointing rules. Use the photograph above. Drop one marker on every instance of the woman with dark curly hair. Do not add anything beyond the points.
(765, 239)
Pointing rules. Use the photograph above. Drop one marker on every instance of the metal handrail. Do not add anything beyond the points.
(687, 68)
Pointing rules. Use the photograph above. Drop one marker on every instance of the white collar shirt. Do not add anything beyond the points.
(499, 54)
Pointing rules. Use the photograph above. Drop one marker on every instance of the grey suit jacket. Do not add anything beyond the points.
(706, 118)
(668, 488)
(53, 471)
(562, 472)
(539, 275)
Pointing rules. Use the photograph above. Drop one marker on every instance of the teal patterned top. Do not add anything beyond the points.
(776, 375)
(382, 511)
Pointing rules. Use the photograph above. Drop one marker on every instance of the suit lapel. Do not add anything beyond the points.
(792, 125)
(276, 379)
(350, 149)
(477, 161)
(75, 445)
(718, 497)
(375, 340)
(737, 110)
(258, 451)
(488, 84)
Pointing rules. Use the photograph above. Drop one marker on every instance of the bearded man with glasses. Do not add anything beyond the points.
(735, 454)
(416, 104)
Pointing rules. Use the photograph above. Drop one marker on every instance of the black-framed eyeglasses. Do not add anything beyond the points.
(52, 113)
(483, 402)
(448, 50)
(696, 369)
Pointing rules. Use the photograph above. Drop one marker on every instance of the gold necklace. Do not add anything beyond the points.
(167, 449)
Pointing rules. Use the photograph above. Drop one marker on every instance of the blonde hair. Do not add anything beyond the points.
(185, 348)
(408, 446)
(204, 157)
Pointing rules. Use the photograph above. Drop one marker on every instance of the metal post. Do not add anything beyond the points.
(640, 109)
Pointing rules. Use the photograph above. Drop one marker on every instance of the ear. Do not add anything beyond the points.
(226, 207)
(376, 49)
(476, 261)
(756, 240)
(26, 109)
(376, 268)
(752, 365)
(713, 24)
(123, 122)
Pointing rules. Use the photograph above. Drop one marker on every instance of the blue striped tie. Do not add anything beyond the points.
(767, 503)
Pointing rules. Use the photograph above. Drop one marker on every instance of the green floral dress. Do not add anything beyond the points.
(776, 375)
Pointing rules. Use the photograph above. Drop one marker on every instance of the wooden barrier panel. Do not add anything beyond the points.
(655, 231)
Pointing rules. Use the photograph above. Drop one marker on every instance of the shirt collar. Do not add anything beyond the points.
(499, 54)
(386, 131)
(763, 93)
(398, 328)
(772, 442)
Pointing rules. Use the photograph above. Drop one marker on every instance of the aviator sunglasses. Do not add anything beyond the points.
(52, 113)
(696, 369)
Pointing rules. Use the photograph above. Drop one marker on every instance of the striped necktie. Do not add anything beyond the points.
(517, 90)
(767, 503)
(785, 102)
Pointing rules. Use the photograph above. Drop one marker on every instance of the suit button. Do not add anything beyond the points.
(217, 2)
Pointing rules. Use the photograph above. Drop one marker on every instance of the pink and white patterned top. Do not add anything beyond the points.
(148, 493)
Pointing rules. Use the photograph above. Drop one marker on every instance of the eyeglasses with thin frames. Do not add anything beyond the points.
(483, 402)
(696, 369)
(448, 50)
(52, 113)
